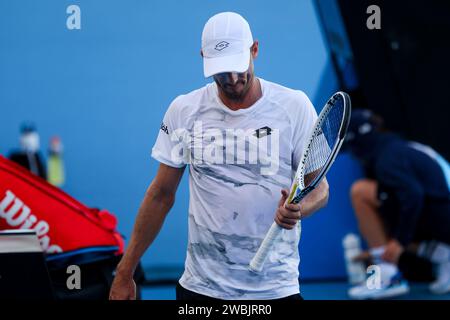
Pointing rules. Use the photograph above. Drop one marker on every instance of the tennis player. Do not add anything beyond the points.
(242, 137)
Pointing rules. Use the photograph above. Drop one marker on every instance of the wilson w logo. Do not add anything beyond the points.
(18, 216)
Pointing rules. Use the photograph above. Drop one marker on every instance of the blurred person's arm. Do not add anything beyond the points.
(158, 200)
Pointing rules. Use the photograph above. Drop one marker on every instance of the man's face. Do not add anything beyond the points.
(235, 85)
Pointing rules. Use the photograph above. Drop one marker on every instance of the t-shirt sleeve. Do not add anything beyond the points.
(170, 147)
(303, 125)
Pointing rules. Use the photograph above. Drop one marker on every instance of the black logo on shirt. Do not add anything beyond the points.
(164, 128)
(262, 132)
(221, 45)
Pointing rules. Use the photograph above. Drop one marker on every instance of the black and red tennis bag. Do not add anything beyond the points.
(69, 232)
(62, 223)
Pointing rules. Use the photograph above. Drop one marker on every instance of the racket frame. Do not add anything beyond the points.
(299, 176)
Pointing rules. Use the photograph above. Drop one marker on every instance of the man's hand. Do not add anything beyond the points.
(123, 288)
(287, 215)
(392, 251)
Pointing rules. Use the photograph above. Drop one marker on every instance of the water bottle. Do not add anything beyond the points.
(355, 270)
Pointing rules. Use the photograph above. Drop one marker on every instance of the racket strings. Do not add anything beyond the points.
(323, 142)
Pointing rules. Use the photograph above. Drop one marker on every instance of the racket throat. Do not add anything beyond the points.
(302, 194)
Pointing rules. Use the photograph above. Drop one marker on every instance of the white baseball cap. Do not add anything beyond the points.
(226, 42)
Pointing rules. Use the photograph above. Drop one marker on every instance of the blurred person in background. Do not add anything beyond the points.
(402, 205)
(55, 163)
(29, 156)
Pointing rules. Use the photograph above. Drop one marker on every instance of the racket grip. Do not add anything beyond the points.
(260, 257)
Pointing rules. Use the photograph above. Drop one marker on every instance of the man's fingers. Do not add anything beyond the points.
(283, 224)
(115, 297)
(291, 222)
(127, 297)
(284, 196)
(287, 219)
(293, 207)
(289, 213)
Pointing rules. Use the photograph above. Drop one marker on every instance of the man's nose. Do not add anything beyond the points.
(234, 77)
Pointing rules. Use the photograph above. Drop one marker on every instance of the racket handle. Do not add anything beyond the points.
(260, 257)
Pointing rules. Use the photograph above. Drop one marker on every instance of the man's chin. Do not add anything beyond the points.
(234, 95)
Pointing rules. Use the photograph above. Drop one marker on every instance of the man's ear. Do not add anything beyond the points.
(201, 52)
(254, 49)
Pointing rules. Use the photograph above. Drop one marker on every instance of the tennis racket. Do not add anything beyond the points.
(322, 148)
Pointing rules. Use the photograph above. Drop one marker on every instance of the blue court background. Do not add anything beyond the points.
(104, 90)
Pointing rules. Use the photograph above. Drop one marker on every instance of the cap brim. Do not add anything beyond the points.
(233, 63)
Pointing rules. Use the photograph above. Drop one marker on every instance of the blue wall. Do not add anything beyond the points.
(104, 89)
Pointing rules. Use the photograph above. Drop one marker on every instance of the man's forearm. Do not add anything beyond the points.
(149, 220)
(317, 199)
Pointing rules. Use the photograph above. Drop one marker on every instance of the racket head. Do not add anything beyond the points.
(323, 145)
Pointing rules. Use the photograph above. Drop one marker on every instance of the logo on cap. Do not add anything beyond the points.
(221, 45)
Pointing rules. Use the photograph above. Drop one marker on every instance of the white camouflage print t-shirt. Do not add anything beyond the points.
(238, 163)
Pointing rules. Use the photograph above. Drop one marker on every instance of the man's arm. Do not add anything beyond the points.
(157, 202)
(315, 200)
